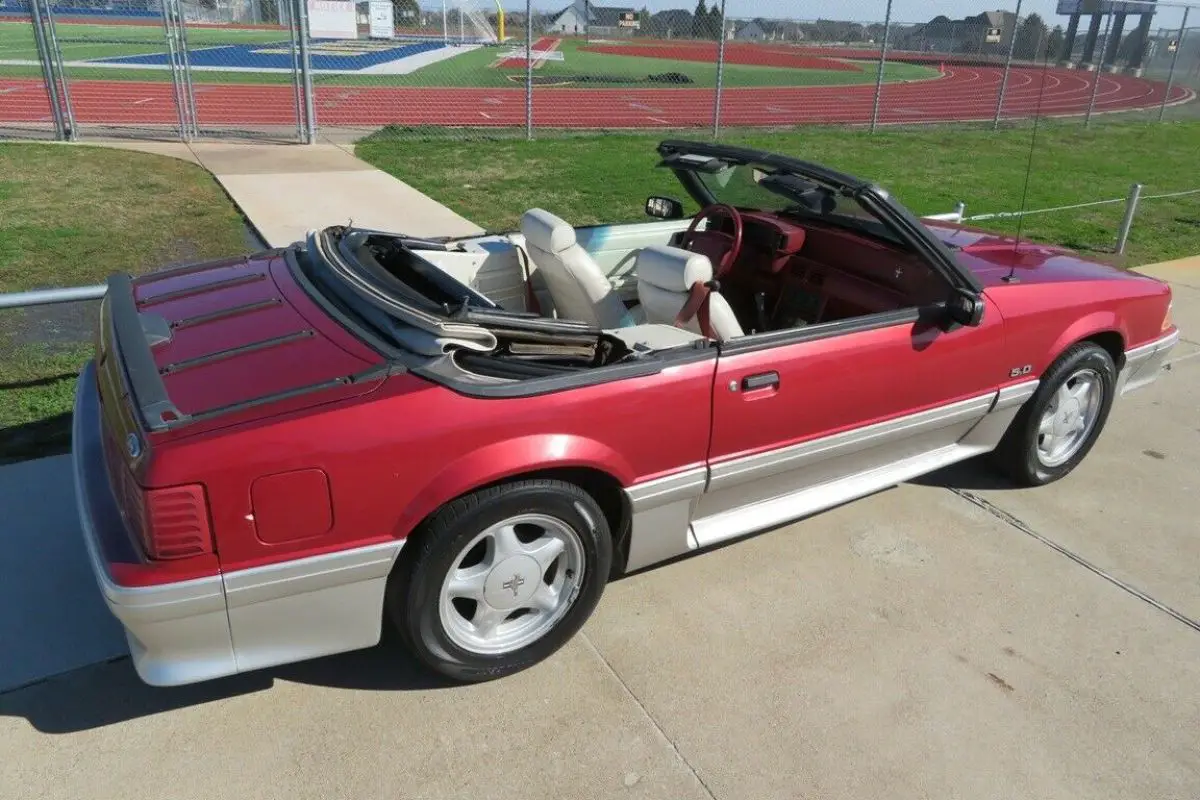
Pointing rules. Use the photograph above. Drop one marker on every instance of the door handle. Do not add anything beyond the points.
(760, 381)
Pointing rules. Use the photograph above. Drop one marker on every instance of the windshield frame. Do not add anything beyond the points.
(686, 159)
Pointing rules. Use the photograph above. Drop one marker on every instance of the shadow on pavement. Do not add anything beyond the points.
(111, 693)
(45, 437)
(973, 474)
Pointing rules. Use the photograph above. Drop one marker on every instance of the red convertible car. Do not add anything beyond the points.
(466, 438)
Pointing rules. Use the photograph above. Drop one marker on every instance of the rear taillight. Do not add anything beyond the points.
(175, 523)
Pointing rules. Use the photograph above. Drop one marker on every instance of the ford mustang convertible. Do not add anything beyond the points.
(466, 438)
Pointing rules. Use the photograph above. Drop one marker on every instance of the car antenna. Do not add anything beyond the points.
(1011, 277)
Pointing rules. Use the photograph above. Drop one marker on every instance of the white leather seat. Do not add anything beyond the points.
(579, 288)
(667, 277)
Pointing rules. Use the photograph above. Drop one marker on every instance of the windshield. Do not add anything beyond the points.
(766, 188)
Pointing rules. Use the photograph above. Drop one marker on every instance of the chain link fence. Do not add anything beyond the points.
(288, 69)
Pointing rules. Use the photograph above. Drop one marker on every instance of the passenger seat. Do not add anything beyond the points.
(580, 289)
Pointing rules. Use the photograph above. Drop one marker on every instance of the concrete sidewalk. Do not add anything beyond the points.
(286, 191)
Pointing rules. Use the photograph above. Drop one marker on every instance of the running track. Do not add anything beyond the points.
(962, 93)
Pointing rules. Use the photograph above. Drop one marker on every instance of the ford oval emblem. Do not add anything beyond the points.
(133, 445)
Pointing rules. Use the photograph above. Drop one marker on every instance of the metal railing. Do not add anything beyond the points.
(44, 297)
(1131, 201)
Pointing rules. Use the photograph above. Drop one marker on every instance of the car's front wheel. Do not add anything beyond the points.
(1058, 426)
(502, 578)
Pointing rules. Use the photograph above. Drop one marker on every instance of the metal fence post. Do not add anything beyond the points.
(185, 71)
(1162, 110)
(529, 70)
(1131, 203)
(1087, 119)
(887, 29)
(64, 90)
(39, 38)
(169, 10)
(310, 114)
(297, 84)
(1012, 47)
(716, 124)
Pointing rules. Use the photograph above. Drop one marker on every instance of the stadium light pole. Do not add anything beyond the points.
(445, 35)
(1012, 48)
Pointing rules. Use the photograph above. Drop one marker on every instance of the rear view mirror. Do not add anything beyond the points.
(965, 308)
(664, 208)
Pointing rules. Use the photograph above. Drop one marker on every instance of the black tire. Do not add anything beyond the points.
(1017, 455)
(414, 593)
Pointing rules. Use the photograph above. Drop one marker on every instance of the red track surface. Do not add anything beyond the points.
(735, 53)
(963, 93)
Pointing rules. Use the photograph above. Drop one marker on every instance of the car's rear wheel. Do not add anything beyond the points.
(502, 578)
(1056, 429)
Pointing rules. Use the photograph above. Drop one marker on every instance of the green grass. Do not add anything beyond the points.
(471, 68)
(606, 178)
(85, 42)
(70, 216)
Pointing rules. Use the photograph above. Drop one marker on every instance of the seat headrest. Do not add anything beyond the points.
(546, 232)
(671, 268)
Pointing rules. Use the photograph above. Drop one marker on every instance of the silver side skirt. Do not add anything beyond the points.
(701, 507)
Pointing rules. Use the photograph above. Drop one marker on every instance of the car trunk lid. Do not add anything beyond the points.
(222, 342)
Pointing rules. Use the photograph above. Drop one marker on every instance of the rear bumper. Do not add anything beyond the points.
(193, 630)
(1143, 364)
(177, 632)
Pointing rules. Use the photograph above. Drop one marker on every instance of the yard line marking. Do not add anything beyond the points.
(485, 115)
(644, 107)
(776, 110)
(144, 100)
(663, 121)
(493, 101)
(11, 89)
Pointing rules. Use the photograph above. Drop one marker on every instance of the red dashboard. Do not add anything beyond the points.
(817, 272)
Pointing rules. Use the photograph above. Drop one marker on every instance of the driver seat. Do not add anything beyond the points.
(580, 290)
(675, 287)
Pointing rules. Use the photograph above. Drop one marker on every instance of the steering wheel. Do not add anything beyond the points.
(721, 248)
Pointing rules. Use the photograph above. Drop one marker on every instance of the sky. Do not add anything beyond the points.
(908, 11)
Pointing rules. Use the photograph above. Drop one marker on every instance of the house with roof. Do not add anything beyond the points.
(768, 30)
(581, 17)
(989, 32)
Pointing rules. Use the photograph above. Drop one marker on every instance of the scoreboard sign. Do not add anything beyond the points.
(993, 35)
(1069, 7)
(332, 19)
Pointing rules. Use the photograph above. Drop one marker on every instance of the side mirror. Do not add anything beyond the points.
(965, 308)
(664, 208)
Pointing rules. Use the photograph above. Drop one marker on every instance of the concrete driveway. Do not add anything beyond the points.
(951, 638)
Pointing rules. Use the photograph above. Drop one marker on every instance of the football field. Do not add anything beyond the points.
(235, 55)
